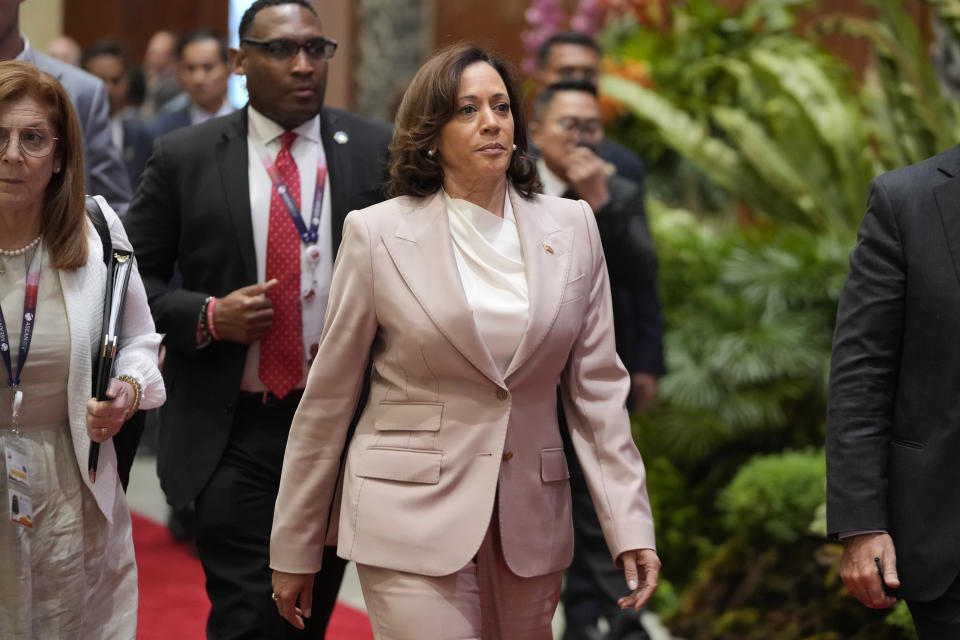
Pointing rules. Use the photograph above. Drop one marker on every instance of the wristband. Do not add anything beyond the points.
(211, 326)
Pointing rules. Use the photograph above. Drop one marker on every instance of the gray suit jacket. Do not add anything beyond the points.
(106, 174)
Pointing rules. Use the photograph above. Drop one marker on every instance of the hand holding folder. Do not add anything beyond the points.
(118, 277)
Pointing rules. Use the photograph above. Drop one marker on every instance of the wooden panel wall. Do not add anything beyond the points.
(132, 22)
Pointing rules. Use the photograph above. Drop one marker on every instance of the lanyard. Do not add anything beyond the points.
(26, 327)
(308, 236)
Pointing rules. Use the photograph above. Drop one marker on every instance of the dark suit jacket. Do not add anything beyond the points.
(167, 122)
(192, 208)
(136, 148)
(628, 164)
(893, 419)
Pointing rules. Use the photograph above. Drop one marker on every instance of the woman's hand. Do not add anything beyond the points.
(105, 417)
(287, 589)
(641, 568)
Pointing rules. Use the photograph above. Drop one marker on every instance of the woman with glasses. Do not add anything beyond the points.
(66, 550)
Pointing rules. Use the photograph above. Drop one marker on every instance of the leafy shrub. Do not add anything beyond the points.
(774, 498)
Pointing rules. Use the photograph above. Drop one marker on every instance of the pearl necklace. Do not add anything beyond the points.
(22, 250)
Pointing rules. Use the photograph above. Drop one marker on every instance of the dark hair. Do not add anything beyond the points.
(200, 35)
(429, 103)
(542, 102)
(565, 37)
(105, 48)
(257, 6)
(63, 221)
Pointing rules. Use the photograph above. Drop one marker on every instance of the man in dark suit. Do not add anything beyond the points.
(893, 419)
(203, 68)
(571, 55)
(250, 207)
(108, 61)
(106, 174)
(567, 128)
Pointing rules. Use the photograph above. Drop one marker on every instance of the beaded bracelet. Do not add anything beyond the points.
(136, 394)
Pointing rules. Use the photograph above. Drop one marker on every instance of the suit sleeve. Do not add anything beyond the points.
(594, 387)
(311, 463)
(863, 372)
(153, 225)
(106, 173)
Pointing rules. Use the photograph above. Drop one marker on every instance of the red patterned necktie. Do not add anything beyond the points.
(281, 349)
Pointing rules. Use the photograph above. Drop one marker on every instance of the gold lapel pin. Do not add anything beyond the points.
(547, 248)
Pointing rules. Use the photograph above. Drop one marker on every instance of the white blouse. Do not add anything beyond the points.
(487, 250)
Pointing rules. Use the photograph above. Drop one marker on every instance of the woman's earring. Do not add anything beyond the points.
(57, 170)
(431, 153)
(514, 147)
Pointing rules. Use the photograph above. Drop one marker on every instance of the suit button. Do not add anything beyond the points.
(227, 408)
(507, 455)
(502, 394)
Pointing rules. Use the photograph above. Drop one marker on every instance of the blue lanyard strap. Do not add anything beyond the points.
(308, 236)
(29, 320)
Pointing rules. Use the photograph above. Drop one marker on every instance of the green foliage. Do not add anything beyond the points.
(773, 499)
(750, 317)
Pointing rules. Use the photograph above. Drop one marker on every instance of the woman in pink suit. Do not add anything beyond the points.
(474, 297)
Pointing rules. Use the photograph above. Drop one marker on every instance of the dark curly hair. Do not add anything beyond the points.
(429, 103)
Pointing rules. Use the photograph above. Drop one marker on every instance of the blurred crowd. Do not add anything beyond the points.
(182, 80)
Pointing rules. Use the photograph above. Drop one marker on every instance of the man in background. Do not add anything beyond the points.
(160, 74)
(567, 129)
(571, 55)
(108, 61)
(250, 208)
(203, 69)
(106, 175)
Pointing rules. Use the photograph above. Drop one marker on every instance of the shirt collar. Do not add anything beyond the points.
(553, 185)
(269, 131)
(198, 114)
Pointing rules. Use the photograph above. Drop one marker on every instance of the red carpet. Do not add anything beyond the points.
(173, 603)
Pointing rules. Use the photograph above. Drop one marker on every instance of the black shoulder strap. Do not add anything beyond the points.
(100, 224)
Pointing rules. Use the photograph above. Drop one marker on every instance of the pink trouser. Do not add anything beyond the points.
(484, 600)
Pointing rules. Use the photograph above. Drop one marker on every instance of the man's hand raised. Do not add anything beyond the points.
(244, 315)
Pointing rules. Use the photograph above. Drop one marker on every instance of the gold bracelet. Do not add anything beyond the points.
(136, 394)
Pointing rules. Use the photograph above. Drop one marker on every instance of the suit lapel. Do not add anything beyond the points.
(546, 255)
(232, 158)
(422, 251)
(338, 167)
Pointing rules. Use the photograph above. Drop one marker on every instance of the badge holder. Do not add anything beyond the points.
(15, 456)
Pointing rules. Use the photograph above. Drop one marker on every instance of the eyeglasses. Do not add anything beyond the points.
(591, 127)
(285, 48)
(33, 141)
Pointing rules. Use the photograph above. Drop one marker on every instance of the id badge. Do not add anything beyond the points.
(15, 457)
(20, 506)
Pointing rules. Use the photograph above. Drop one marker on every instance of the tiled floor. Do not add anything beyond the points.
(146, 498)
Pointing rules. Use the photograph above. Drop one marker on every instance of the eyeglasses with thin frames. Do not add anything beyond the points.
(35, 142)
(589, 127)
(286, 48)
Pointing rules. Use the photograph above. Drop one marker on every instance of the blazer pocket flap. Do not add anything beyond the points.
(553, 465)
(408, 416)
(405, 465)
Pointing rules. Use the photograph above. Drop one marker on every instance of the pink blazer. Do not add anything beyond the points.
(443, 432)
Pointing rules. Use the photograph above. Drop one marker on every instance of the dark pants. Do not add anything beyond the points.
(593, 583)
(234, 517)
(940, 618)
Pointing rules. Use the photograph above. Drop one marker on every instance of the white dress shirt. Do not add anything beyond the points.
(306, 149)
(490, 262)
